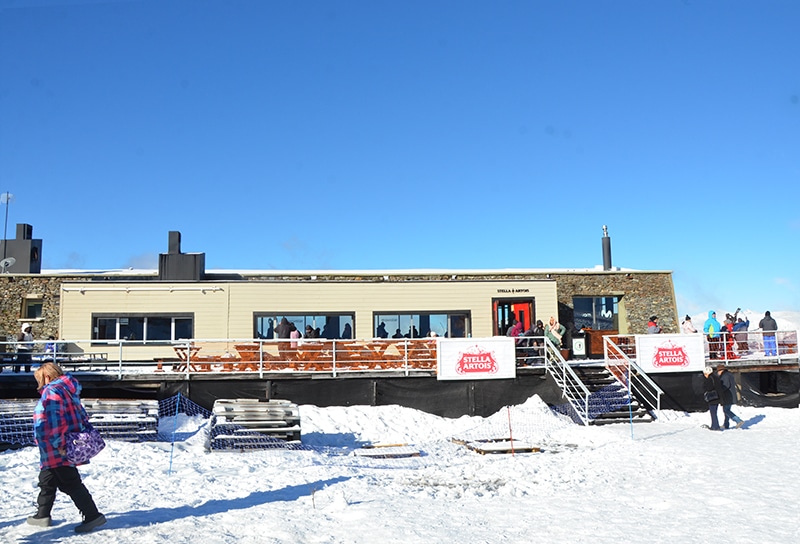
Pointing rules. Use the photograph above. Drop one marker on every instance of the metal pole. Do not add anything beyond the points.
(7, 198)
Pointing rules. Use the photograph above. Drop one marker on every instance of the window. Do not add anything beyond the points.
(32, 307)
(599, 313)
(329, 325)
(145, 328)
(419, 325)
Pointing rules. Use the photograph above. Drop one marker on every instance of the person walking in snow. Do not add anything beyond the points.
(711, 329)
(58, 412)
(769, 326)
(711, 396)
(727, 386)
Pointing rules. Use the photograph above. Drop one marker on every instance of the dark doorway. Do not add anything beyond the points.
(505, 311)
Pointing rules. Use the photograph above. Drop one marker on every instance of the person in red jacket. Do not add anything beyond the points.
(58, 412)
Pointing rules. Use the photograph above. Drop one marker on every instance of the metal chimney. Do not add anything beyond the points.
(606, 249)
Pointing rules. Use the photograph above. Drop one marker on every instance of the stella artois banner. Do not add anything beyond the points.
(670, 352)
(476, 358)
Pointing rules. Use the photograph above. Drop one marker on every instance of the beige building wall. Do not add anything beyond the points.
(226, 309)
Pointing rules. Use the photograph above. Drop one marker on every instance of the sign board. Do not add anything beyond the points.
(670, 352)
(476, 358)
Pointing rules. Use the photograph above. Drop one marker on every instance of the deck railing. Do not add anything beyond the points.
(234, 355)
(735, 346)
(628, 373)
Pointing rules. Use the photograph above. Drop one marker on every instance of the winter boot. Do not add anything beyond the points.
(37, 521)
(91, 524)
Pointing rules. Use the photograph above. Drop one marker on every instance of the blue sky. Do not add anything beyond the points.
(413, 134)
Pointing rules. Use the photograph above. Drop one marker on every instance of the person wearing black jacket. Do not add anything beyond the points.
(727, 395)
(711, 396)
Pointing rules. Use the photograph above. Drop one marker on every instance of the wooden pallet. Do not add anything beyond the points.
(387, 451)
(243, 424)
(128, 420)
(497, 445)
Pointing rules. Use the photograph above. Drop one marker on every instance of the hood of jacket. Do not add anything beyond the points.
(711, 313)
(65, 383)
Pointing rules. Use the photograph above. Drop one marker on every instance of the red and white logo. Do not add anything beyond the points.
(476, 360)
(670, 354)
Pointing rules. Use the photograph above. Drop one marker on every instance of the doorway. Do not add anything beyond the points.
(505, 311)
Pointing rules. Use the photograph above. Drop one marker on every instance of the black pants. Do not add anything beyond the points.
(23, 359)
(67, 480)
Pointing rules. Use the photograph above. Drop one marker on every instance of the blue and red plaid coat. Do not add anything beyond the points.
(59, 411)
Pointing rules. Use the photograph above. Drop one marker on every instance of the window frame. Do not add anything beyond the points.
(301, 324)
(596, 303)
(413, 318)
(145, 340)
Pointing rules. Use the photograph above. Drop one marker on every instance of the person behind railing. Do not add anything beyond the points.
(687, 327)
(51, 348)
(24, 348)
(727, 337)
(397, 333)
(381, 332)
(768, 325)
(294, 334)
(740, 328)
(515, 330)
(711, 396)
(284, 328)
(711, 328)
(652, 325)
(533, 349)
(554, 331)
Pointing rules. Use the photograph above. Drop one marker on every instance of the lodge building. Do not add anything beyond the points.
(183, 300)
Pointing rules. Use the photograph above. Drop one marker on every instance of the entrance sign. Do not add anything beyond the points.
(476, 358)
(670, 352)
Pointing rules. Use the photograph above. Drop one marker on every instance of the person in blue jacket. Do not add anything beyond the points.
(711, 328)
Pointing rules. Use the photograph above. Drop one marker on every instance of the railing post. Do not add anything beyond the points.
(260, 359)
(333, 350)
(119, 366)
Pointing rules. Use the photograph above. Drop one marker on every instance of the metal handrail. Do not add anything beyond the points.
(631, 375)
(567, 380)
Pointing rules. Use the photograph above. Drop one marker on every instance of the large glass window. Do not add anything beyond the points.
(329, 325)
(145, 328)
(599, 313)
(420, 325)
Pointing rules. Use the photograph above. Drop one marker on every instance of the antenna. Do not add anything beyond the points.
(6, 198)
(7, 263)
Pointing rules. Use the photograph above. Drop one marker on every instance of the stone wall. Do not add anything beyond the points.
(16, 288)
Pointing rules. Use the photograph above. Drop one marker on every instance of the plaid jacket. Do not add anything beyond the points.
(59, 411)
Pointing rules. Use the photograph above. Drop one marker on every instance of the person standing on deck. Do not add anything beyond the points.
(711, 329)
(769, 326)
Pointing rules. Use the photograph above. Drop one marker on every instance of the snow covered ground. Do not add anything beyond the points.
(670, 481)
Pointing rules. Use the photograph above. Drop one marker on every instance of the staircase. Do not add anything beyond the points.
(608, 398)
